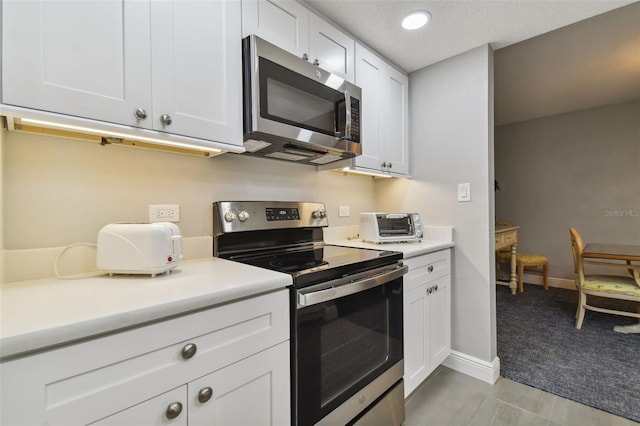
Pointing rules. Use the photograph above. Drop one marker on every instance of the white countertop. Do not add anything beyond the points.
(44, 313)
(408, 249)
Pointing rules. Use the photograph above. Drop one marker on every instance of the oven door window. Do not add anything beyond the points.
(344, 344)
(291, 98)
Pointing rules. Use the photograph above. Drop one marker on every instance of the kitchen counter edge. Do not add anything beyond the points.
(408, 249)
(41, 314)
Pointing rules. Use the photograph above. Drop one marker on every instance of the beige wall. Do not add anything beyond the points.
(579, 169)
(61, 191)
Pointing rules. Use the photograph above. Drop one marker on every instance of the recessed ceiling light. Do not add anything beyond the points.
(415, 20)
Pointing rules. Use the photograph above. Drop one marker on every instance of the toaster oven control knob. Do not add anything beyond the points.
(319, 214)
(229, 216)
(243, 216)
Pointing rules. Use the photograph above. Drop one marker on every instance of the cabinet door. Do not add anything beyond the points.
(396, 124)
(166, 409)
(416, 356)
(197, 69)
(254, 391)
(87, 59)
(439, 321)
(369, 79)
(284, 23)
(330, 48)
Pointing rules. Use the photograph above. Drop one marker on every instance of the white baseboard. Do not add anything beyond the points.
(537, 280)
(474, 367)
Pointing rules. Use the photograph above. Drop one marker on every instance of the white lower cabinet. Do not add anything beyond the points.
(427, 316)
(228, 365)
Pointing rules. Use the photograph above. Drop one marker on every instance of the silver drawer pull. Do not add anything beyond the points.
(205, 394)
(430, 268)
(189, 351)
(173, 410)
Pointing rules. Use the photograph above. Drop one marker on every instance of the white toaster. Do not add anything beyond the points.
(139, 248)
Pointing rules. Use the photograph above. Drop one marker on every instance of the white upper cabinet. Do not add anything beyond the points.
(283, 23)
(292, 27)
(87, 59)
(385, 125)
(169, 66)
(197, 68)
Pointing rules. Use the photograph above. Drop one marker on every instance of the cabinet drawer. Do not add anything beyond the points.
(505, 239)
(83, 382)
(426, 268)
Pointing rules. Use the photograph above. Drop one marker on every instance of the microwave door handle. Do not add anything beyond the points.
(316, 297)
(347, 106)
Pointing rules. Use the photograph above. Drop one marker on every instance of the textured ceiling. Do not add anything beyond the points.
(592, 63)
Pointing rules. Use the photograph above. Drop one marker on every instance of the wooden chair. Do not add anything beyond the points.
(610, 286)
(525, 260)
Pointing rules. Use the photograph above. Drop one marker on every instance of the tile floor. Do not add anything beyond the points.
(450, 398)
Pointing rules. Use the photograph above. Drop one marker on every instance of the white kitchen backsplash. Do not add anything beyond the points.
(78, 259)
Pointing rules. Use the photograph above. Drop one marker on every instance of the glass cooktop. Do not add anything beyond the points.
(319, 262)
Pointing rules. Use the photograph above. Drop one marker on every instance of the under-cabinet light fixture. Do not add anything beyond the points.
(89, 130)
(360, 172)
(416, 20)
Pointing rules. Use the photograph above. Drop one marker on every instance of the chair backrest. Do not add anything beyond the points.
(577, 247)
(503, 223)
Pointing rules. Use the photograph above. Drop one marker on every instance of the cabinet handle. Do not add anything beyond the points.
(430, 268)
(384, 165)
(316, 62)
(189, 351)
(173, 410)
(140, 113)
(390, 165)
(305, 57)
(205, 394)
(429, 290)
(165, 119)
(435, 288)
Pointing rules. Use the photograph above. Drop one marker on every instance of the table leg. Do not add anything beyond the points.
(513, 284)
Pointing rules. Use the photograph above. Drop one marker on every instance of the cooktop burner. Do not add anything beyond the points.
(296, 264)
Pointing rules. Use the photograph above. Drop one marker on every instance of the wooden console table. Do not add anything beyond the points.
(507, 236)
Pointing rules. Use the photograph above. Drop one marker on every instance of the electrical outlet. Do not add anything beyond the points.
(164, 213)
(344, 211)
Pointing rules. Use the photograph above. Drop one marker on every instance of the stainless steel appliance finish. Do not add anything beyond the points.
(295, 111)
(346, 309)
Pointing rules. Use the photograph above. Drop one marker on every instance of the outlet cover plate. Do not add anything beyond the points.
(164, 213)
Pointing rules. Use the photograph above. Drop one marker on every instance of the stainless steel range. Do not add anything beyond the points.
(346, 310)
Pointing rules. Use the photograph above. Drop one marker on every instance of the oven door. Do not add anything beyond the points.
(348, 334)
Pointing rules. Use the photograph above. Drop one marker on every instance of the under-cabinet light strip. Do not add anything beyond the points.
(358, 172)
(55, 125)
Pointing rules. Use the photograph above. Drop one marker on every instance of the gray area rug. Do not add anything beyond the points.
(539, 346)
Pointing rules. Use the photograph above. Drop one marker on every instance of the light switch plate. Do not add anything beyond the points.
(344, 211)
(464, 192)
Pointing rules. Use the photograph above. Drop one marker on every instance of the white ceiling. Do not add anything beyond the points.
(593, 64)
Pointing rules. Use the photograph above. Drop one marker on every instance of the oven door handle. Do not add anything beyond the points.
(345, 287)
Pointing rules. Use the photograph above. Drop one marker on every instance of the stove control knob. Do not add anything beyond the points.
(319, 214)
(229, 216)
(243, 216)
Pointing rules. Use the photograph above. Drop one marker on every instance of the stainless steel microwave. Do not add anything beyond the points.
(390, 227)
(296, 111)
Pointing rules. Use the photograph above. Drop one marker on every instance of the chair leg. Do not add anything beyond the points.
(580, 314)
(521, 277)
(545, 275)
